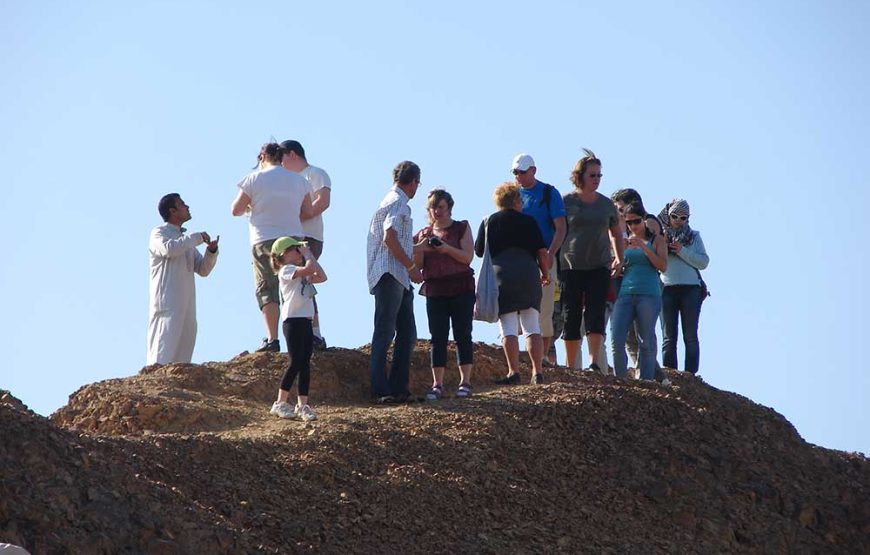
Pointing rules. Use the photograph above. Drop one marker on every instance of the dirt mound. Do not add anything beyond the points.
(185, 458)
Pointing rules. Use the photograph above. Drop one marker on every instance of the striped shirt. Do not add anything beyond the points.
(394, 213)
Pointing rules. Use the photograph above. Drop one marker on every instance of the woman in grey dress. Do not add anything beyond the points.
(519, 257)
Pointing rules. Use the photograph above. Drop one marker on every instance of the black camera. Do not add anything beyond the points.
(434, 242)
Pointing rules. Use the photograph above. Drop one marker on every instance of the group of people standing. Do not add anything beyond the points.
(564, 264)
(601, 258)
(284, 198)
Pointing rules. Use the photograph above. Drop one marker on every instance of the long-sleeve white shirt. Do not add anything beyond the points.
(172, 292)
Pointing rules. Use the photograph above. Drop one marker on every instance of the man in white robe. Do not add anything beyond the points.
(172, 291)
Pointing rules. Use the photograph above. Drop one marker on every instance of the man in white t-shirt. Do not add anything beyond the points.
(320, 192)
(276, 201)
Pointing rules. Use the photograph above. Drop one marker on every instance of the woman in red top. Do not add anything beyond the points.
(444, 251)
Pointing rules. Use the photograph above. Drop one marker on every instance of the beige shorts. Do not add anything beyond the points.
(547, 300)
(265, 278)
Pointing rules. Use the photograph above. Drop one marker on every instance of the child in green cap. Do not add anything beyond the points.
(297, 271)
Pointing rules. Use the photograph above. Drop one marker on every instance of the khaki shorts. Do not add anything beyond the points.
(547, 301)
(265, 278)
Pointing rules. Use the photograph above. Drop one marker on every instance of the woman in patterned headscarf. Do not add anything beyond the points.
(682, 294)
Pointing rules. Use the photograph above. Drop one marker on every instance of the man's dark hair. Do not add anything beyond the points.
(166, 204)
(295, 147)
(626, 196)
(406, 172)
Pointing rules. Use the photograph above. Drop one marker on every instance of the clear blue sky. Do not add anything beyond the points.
(756, 113)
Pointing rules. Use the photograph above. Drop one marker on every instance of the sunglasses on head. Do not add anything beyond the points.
(681, 218)
(634, 221)
(520, 172)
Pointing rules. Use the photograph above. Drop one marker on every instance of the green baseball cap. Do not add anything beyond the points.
(281, 244)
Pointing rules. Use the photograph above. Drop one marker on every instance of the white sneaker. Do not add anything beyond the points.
(305, 413)
(282, 409)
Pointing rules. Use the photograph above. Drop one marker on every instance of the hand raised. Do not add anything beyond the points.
(213, 245)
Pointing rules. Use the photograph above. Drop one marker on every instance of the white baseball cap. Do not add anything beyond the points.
(522, 162)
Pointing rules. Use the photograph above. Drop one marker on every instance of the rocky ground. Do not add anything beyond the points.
(186, 459)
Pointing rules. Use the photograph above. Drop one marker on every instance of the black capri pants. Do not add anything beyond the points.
(584, 296)
(459, 310)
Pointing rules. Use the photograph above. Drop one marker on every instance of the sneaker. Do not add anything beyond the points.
(306, 413)
(282, 409)
(595, 368)
(319, 343)
(513, 379)
(464, 390)
(666, 382)
(537, 379)
(267, 346)
(435, 393)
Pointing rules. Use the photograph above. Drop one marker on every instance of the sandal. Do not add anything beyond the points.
(464, 390)
(435, 393)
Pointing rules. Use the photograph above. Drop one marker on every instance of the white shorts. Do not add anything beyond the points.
(509, 323)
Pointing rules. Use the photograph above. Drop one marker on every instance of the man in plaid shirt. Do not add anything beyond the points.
(391, 269)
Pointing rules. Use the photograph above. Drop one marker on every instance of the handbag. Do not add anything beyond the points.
(704, 291)
(486, 301)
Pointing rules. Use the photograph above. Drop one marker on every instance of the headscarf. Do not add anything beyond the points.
(684, 235)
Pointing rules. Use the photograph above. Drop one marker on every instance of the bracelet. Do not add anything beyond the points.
(411, 267)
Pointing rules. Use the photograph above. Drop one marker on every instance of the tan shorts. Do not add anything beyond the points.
(265, 278)
(547, 301)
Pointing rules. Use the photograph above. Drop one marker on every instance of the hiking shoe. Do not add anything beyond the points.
(435, 393)
(537, 379)
(319, 343)
(464, 390)
(513, 379)
(282, 409)
(306, 413)
(267, 346)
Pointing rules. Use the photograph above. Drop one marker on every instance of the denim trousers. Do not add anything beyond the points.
(683, 303)
(458, 309)
(394, 319)
(645, 309)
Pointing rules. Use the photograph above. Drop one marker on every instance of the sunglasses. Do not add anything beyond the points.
(520, 172)
(634, 222)
(599, 175)
(681, 218)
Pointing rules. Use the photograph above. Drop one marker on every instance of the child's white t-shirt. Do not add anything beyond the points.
(298, 302)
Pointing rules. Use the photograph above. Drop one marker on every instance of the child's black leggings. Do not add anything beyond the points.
(299, 337)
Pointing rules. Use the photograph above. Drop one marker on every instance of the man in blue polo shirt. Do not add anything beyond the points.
(544, 203)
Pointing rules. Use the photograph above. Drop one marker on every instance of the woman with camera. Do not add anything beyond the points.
(640, 296)
(444, 250)
(682, 294)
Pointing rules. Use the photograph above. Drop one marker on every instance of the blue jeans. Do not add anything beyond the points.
(645, 309)
(394, 318)
(681, 302)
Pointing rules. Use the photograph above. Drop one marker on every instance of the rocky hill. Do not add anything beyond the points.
(186, 459)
